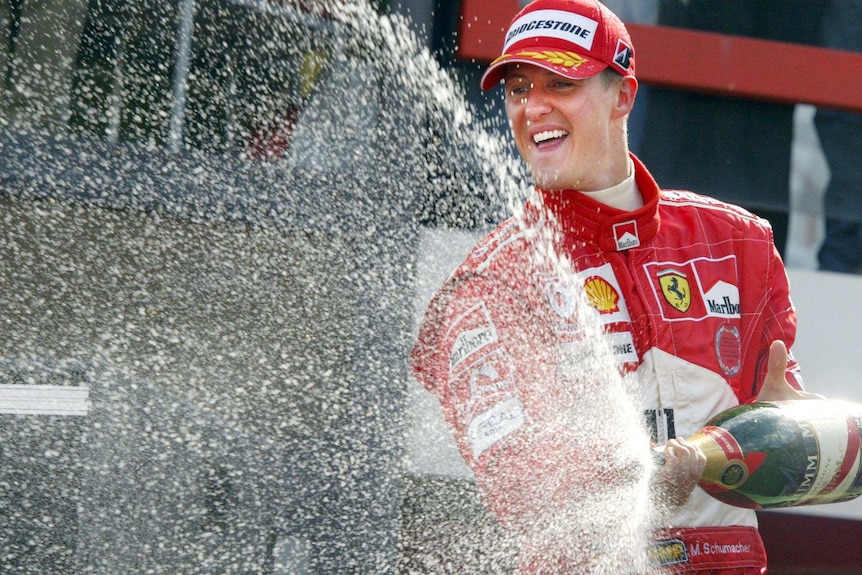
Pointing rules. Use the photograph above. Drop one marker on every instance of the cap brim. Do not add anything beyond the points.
(567, 64)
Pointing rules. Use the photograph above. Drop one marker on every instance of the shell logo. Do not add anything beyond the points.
(602, 295)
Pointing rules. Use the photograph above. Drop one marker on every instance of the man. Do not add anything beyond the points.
(688, 296)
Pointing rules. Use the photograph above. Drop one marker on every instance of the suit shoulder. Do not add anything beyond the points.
(498, 246)
(708, 206)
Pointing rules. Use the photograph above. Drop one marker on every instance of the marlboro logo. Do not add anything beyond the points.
(626, 235)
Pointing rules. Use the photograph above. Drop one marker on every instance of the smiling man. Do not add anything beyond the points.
(691, 309)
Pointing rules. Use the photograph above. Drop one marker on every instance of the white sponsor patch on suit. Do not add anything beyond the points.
(602, 291)
(623, 347)
(472, 332)
(495, 423)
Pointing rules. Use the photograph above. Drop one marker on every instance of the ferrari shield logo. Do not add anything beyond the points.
(674, 286)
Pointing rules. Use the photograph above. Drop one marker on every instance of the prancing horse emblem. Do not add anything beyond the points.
(674, 286)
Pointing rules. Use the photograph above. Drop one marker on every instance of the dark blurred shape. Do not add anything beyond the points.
(840, 135)
(734, 149)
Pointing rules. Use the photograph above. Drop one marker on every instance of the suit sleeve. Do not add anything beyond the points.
(522, 424)
(779, 324)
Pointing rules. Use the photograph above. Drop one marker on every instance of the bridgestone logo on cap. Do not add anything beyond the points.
(554, 24)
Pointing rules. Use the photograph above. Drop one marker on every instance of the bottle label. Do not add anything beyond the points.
(782, 454)
(837, 461)
(725, 464)
(833, 450)
(726, 467)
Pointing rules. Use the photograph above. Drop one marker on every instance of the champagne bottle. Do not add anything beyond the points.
(783, 453)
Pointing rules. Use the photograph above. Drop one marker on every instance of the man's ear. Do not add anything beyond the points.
(628, 89)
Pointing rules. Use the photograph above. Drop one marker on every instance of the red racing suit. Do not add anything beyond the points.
(687, 291)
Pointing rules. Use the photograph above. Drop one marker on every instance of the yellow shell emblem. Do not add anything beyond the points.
(602, 295)
(565, 59)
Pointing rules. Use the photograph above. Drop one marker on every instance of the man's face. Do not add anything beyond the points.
(566, 130)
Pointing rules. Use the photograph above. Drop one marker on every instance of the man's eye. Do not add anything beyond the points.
(519, 90)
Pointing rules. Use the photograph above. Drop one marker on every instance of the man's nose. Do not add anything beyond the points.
(536, 103)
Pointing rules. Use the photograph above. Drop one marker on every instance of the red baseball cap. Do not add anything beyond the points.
(573, 38)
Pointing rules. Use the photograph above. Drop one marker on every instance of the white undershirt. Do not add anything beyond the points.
(623, 196)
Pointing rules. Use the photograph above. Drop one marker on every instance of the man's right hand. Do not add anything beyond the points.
(677, 477)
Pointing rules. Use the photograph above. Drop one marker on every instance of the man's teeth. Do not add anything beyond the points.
(548, 135)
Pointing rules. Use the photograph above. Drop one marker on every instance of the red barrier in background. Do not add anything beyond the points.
(701, 61)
